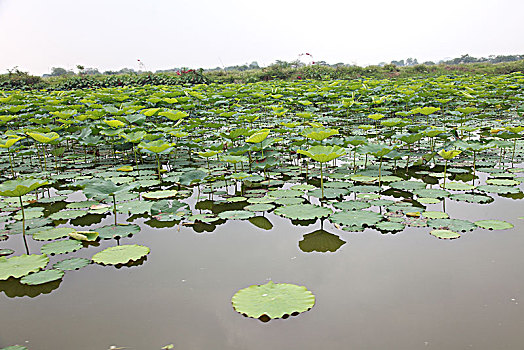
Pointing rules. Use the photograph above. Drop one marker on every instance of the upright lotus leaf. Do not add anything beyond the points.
(121, 254)
(43, 137)
(273, 300)
(20, 187)
(114, 123)
(376, 116)
(378, 151)
(320, 241)
(102, 188)
(19, 266)
(258, 136)
(174, 115)
(192, 177)
(157, 147)
(447, 155)
(319, 134)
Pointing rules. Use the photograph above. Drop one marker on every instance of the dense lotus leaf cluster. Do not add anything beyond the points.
(355, 155)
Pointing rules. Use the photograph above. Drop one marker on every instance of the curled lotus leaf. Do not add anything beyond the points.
(273, 300)
(493, 224)
(303, 211)
(18, 266)
(20, 187)
(121, 254)
(42, 277)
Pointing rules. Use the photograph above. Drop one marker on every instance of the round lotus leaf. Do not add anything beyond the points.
(357, 218)
(351, 205)
(134, 207)
(368, 196)
(471, 198)
(289, 200)
(14, 347)
(121, 254)
(364, 178)
(285, 193)
(336, 184)
(117, 231)
(259, 207)
(18, 266)
(303, 211)
(320, 241)
(52, 233)
(261, 200)
(381, 202)
(71, 264)
(329, 192)
(273, 300)
(431, 193)
(435, 215)
(61, 247)
(30, 213)
(502, 182)
(42, 277)
(494, 224)
(388, 226)
(160, 194)
(6, 252)
(445, 234)
(207, 217)
(452, 224)
(236, 199)
(408, 185)
(457, 186)
(67, 214)
(81, 205)
(303, 187)
(54, 199)
(236, 215)
(428, 200)
(365, 189)
(498, 189)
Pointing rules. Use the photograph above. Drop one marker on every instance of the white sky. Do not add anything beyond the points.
(36, 35)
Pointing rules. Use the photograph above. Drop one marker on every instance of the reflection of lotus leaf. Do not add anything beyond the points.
(261, 222)
(13, 288)
(494, 224)
(120, 254)
(359, 218)
(303, 211)
(19, 266)
(445, 234)
(42, 277)
(273, 300)
(320, 241)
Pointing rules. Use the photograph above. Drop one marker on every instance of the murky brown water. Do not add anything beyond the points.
(404, 291)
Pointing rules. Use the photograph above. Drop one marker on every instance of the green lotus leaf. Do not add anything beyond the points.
(156, 147)
(84, 235)
(458, 186)
(160, 194)
(42, 277)
(71, 264)
(163, 207)
(368, 196)
(319, 134)
(356, 218)
(320, 241)
(498, 189)
(19, 187)
(323, 154)
(303, 187)
(273, 300)
(236, 215)
(261, 222)
(30, 213)
(365, 189)
(452, 224)
(18, 266)
(329, 193)
(81, 205)
(192, 177)
(431, 193)
(67, 214)
(10, 141)
(102, 188)
(289, 200)
(445, 234)
(49, 234)
(134, 207)
(43, 137)
(61, 247)
(236, 199)
(434, 215)
(14, 347)
(117, 231)
(449, 154)
(376, 150)
(121, 254)
(280, 193)
(258, 137)
(502, 182)
(471, 198)
(259, 207)
(303, 211)
(6, 252)
(493, 224)
(408, 185)
(351, 205)
(388, 226)
(424, 200)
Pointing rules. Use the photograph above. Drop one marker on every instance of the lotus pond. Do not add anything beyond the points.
(366, 214)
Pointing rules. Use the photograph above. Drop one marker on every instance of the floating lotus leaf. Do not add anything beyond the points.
(50, 234)
(408, 185)
(428, 200)
(71, 264)
(303, 187)
(81, 205)
(67, 214)
(236, 199)
(6, 252)
(261, 200)
(471, 198)
(285, 193)
(337, 184)
(320, 241)
(261, 222)
(61, 247)
(458, 186)
(388, 226)
(273, 300)
(445, 234)
(498, 189)
(289, 200)
(30, 213)
(160, 194)
(358, 218)
(42, 277)
(329, 193)
(134, 207)
(502, 182)
(365, 189)
(121, 254)
(494, 224)
(435, 215)
(368, 196)
(18, 266)
(431, 193)
(351, 205)
(303, 211)
(117, 231)
(14, 347)
(236, 214)
(452, 224)
(259, 207)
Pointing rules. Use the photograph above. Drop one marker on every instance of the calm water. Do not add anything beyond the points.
(403, 291)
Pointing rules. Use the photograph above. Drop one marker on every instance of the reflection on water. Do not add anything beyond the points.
(320, 241)
(13, 288)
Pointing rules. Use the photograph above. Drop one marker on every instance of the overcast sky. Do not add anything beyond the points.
(36, 35)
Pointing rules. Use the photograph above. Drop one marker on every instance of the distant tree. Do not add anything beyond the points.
(411, 61)
(398, 63)
(80, 69)
(254, 65)
(58, 71)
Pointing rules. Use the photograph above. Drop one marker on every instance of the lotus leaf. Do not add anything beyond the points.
(320, 241)
(71, 264)
(356, 218)
(236, 214)
(50, 234)
(323, 154)
(160, 194)
(117, 231)
(351, 205)
(493, 224)
(387, 226)
(452, 224)
(498, 189)
(67, 214)
(42, 277)
(303, 211)
(19, 187)
(61, 247)
(19, 266)
(445, 234)
(120, 254)
(458, 186)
